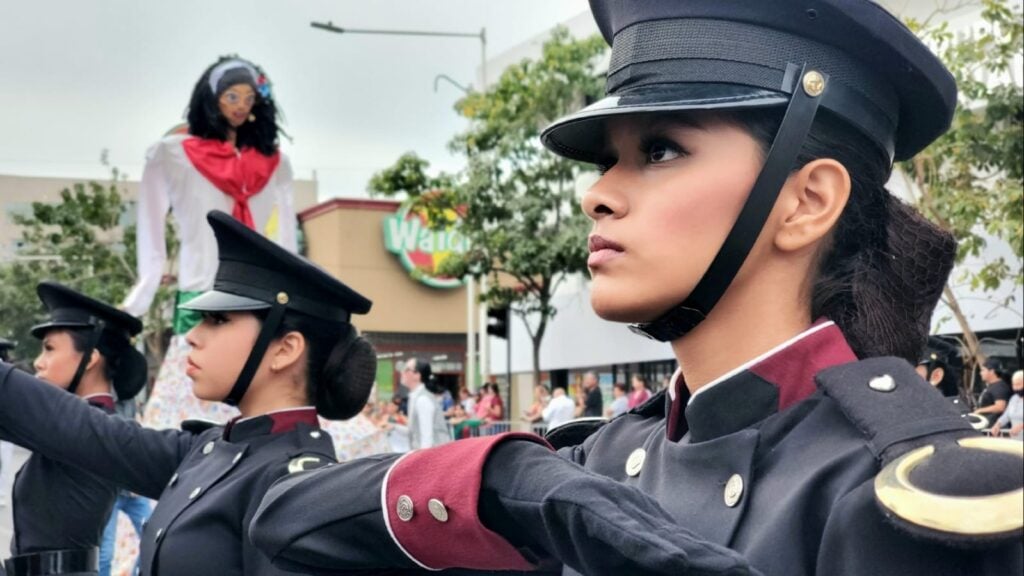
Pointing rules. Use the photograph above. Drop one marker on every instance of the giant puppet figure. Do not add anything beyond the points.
(229, 160)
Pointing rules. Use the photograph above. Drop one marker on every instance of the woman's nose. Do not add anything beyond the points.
(606, 197)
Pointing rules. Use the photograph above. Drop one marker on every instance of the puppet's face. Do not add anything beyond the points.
(236, 104)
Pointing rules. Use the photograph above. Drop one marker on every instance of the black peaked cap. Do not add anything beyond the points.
(941, 351)
(255, 273)
(69, 308)
(678, 55)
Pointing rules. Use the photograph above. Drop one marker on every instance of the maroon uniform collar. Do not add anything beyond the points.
(752, 392)
(104, 402)
(241, 429)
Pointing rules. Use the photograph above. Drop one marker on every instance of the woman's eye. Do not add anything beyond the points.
(661, 151)
(215, 318)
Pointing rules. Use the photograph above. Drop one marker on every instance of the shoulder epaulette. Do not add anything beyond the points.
(930, 454)
(573, 432)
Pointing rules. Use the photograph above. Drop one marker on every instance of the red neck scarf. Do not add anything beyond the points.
(239, 174)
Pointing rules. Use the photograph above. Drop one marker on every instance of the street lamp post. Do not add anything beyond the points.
(474, 314)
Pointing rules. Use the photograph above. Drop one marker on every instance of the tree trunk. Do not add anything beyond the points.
(973, 353)
(970, 339)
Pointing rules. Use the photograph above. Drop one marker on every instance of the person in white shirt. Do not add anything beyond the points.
(1013, 416)
(620, 402)
(560, 410)
(427, 426)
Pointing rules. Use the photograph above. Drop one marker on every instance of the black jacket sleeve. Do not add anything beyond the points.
(47, 420)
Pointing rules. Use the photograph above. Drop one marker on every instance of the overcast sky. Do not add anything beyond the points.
(80, 76)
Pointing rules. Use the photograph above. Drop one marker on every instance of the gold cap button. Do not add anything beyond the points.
(282, 297)
(814, 83)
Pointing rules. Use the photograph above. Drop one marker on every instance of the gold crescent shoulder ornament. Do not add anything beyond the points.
(964, 516)
(303, 463)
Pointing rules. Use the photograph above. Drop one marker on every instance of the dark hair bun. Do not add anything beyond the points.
(347, 379)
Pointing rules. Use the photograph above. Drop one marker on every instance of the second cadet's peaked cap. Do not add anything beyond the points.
(681, 55)
(939, 351)
(254, 273)
(69, 308)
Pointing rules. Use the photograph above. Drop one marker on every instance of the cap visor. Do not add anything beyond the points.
(214, 301)
(582, 135)
(40, 330)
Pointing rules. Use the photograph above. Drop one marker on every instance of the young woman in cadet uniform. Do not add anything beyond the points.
(742, 217)
(276, 339)
(59, 510)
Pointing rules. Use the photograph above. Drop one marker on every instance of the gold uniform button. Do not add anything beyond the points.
(173, 480)
(404, 508)
(437, 510)
(635, 462)
(733, 490)
(194, 493)
(237, 458)
(315, 434)
(208, 448)
(282, 297)
(159, 533)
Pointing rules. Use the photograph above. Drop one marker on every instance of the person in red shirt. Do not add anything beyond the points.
(640, 392)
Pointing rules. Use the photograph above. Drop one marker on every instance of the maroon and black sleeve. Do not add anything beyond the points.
(489, 504)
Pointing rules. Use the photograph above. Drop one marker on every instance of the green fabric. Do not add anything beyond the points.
(185, 320)
(470, 424)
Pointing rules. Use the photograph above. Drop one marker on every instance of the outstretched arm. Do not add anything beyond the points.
(498, 503)
(59, 425)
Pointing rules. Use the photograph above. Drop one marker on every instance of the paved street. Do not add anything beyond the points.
(6, 529)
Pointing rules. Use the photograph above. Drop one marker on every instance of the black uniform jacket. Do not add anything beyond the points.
(57, 506)
(208, 481)
(766, 461)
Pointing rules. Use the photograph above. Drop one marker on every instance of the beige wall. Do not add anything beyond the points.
(18, 192)
(348, 241)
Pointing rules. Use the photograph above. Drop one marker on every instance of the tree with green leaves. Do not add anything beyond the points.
(79, 242)
(520, 215)
(969, 181)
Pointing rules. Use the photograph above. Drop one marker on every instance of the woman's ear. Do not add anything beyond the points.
(287, 351)
(811, 202)
(94, 359)
(936, 377)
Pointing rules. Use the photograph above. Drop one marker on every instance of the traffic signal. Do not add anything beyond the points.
(497, 322)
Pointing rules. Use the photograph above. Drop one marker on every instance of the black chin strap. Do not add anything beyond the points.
(94, 339)
(807, 87)
(270, 326)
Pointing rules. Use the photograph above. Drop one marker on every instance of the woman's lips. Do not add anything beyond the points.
(191, 367)
(602, 250)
